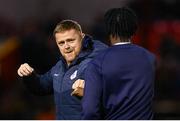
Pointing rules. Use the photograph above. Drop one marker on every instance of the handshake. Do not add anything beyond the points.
(78, 88)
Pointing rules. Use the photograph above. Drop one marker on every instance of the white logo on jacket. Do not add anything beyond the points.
(56, 74)
(73, 75)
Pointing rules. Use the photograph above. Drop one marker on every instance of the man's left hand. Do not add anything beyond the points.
(78, 87)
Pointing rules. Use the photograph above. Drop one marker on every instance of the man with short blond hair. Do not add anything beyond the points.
(76, 51)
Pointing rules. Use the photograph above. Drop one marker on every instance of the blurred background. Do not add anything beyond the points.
(26, 29)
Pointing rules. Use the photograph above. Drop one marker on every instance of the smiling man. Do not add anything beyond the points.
(76, 51)
(69, 43)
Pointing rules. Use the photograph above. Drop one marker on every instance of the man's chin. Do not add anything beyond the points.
(69, 59)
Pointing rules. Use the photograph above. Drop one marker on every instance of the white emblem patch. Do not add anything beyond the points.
(73, 75)
(56, 74)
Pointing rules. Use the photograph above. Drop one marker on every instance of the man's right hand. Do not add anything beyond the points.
(25, 70)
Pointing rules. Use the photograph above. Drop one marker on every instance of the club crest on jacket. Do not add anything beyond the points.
(73, 75)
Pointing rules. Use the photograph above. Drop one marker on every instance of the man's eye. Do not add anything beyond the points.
(70, 40)
(60, 43)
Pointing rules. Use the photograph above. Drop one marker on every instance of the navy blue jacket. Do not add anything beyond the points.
(59, 80)
(119, 84)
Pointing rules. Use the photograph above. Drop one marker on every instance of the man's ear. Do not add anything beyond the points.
(82, 34)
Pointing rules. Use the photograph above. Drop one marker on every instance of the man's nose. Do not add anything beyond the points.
(66, 45)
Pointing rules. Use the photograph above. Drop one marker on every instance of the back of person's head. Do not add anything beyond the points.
(121, 22)
(66, 25)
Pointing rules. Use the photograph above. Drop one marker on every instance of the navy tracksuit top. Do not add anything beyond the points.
(59, 80)
(119, 84)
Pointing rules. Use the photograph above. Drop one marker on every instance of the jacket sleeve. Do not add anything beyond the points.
(39, 84)
(91, 102)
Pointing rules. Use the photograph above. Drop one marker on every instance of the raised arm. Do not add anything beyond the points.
(37, 84)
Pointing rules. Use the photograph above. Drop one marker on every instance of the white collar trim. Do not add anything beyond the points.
(122, 43)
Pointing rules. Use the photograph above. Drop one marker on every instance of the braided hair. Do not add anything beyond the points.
(120, 22)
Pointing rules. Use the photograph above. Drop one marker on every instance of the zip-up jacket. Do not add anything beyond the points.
(59, 79)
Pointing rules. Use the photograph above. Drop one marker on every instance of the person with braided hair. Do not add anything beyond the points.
(119, 81)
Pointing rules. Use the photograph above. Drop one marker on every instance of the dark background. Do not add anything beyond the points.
(26, 29)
